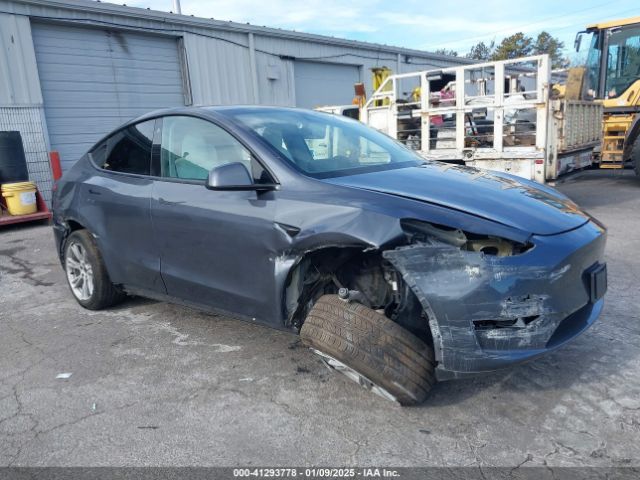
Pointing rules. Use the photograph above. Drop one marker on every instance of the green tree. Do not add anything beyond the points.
(514, 46)
(446, 51)
(481, 51)
(545, 43)
(520, 45)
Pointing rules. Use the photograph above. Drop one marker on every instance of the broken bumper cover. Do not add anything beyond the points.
(487, 312)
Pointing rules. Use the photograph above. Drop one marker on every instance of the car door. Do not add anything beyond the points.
(216, 247)
(117, 207)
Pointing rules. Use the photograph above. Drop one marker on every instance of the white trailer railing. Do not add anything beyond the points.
(495, 115)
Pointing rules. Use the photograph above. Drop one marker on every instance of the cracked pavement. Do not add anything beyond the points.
(160, 384)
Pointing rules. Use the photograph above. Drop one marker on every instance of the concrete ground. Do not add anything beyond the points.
(158, 384)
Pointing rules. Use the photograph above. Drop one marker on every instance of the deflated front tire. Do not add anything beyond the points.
(370, 349)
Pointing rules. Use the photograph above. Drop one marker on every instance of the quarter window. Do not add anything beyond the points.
(192, 147)
(127, 151)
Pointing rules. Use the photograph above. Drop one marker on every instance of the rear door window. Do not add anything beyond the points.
(127, 151)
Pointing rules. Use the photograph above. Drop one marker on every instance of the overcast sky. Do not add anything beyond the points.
(422, 24)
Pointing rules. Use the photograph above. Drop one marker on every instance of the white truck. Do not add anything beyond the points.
(505, 117)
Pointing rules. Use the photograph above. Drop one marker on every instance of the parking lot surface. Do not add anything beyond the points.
(158, 384)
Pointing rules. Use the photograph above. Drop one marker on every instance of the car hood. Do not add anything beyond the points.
(498, 197)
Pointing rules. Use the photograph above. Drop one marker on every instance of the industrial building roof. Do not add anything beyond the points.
(173, 19)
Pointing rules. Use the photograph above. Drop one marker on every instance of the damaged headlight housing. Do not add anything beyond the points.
(419, 231)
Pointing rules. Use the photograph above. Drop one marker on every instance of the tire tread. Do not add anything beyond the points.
(373, 345)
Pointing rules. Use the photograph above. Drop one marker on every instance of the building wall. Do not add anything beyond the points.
(320, 84)
(93, 80)
(223, 66)
(19, 84)
(222, 62)
(220, 72)
(21, 107)
(29, 121)
(275, 80)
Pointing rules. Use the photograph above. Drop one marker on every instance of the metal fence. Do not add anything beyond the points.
(29, 122)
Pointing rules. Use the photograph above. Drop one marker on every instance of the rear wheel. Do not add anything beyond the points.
(370, 349)
(86, 273)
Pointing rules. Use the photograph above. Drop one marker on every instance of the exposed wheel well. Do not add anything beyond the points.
(73, 226)
(376, 281)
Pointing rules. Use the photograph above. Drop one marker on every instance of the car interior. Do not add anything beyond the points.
(191, 148)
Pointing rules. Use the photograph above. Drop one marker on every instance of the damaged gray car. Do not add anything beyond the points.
(396, 271)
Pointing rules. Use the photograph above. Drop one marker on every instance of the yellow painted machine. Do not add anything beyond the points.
(612, 76)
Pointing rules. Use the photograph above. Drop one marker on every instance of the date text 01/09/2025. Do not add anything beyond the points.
(322, 472)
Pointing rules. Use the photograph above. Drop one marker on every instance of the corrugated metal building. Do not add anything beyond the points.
(72, 70)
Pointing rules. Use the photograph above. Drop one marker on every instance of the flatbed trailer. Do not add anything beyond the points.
(505, 117)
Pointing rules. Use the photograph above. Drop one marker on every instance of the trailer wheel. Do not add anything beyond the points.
(370, 349)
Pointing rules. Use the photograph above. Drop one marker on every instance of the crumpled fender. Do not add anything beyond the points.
(460, 290)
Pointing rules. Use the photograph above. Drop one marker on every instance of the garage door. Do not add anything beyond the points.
(319, 84)
(93, 80)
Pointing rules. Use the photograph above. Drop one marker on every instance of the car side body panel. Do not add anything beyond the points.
(217, 248)
(115, 208)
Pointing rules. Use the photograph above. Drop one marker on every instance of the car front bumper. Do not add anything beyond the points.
(487, 312)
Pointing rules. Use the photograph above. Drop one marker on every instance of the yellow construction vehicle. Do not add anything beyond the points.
(612, 76)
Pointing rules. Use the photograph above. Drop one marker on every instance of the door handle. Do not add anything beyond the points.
(162, 201)
(94, 192)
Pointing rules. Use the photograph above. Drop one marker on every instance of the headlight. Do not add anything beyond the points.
(425, 232)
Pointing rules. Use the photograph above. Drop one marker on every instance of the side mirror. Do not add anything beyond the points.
(234, 176)
(578, 41)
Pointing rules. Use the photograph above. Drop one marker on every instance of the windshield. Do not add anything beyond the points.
(323, 145)
(623, 60)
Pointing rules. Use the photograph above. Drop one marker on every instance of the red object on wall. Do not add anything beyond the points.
(56, 167)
